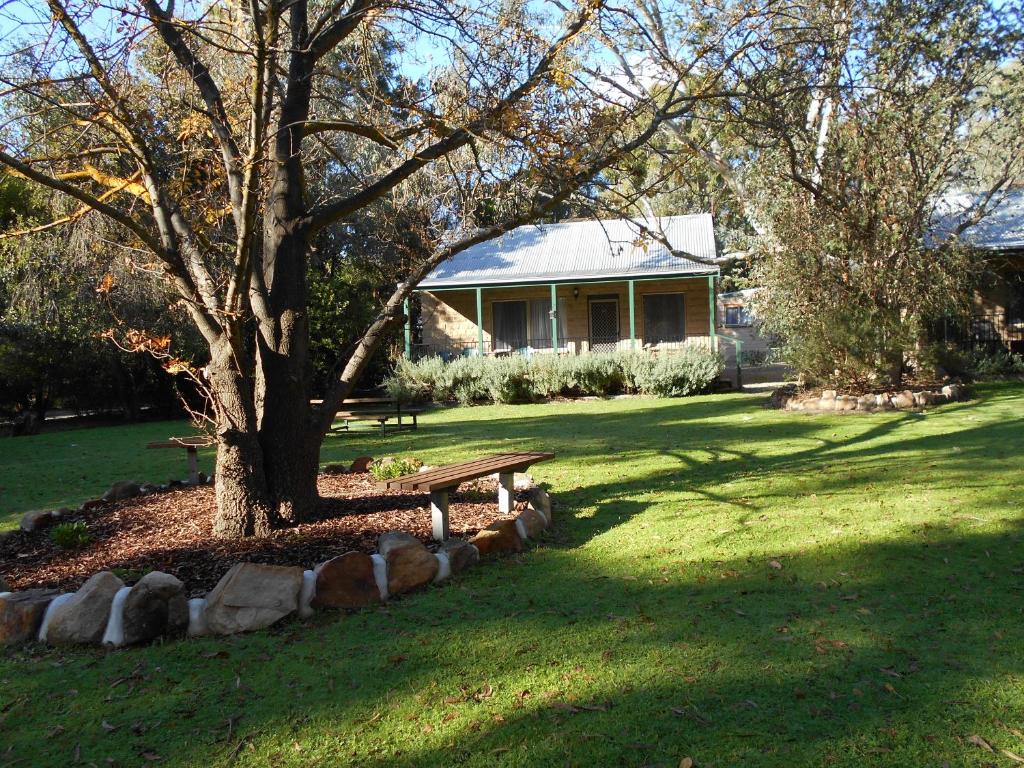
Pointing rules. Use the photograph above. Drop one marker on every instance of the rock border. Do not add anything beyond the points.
(251, 596)
(789, 398)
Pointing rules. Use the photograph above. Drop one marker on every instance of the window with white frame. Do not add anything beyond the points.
(664, 318)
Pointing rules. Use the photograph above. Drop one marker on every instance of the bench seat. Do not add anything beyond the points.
(439, 481)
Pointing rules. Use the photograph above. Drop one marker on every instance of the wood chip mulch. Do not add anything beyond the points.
(172, 532)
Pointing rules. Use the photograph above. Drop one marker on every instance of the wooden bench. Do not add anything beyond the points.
(191, 446)
(438, 482)
(379, 409)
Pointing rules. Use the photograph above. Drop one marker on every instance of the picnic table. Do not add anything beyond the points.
(439, 481)
(191, 446)
(379, 409)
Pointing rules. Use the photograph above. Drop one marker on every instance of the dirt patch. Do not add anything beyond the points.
(172, 532)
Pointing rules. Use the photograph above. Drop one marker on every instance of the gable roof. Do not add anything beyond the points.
(1002, 229)
(580, 251)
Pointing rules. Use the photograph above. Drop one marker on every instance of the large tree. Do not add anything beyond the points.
(226, 138)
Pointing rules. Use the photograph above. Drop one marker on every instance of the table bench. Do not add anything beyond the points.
(438, 482)
(191, 446)
(379, 409)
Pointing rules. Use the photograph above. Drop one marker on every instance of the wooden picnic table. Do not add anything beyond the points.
(379, 409)
(439, 481)
(191, 446)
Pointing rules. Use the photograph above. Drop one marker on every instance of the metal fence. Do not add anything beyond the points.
(567, 346)
(988, 330)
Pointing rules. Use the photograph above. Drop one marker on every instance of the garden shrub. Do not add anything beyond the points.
(390, 467)
(519, 379)
(70, 535)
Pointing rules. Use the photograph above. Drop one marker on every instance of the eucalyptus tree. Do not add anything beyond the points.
(226, 138)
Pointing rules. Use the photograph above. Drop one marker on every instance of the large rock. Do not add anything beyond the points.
(37, 519)
(846, 403)
(461, 554)
(533, 522)
(866, 403)
(541, 501)
(500, 536)
(954, 392)
(251, 597)
(903, 400)
(156, 606)
(3, 585)
(21, 613)
(360, 465)
(346, 581)
(410, 564)
(83, 618)
(122, 490)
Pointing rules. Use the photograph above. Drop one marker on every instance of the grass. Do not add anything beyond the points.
(726, 583)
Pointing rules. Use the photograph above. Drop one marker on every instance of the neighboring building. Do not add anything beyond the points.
(999, 303)
(574, 287)
(736, 321)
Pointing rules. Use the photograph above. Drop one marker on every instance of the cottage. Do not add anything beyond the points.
(574, 287)
(998, 319)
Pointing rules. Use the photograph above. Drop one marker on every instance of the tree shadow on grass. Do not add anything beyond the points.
(892, 652)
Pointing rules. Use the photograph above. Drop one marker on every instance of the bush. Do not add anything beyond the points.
(389, 467)
(520, 379)
(985, 363)
(70, 535)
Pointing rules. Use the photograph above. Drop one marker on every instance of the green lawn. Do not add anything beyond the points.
(727, 583)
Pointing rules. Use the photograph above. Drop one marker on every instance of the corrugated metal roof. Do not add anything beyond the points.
(581, 250)
(1001, 229)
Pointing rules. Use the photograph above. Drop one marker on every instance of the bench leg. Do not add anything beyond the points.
(439, 514)
(506, 491)
(193, 465)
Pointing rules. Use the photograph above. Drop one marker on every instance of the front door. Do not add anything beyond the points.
(604, 324)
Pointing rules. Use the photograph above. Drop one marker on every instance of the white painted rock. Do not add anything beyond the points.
(252, 596)
(83, 618)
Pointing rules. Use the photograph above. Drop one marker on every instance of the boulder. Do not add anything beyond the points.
(346, 581)
(846, 403)
(541, 502)
(954, 392)
(122, 490)
(461, 554)
(825, 404)
(361, 464)
(21, 613)
(91, 504)
(903, 400)
(37, 519)
(335, 469)
(829, 394)
(148, 488)
(533, 522)
(410, 564)
(155, 606)
(252, 596)
(83, 618)
(500, 536)
(883, 401)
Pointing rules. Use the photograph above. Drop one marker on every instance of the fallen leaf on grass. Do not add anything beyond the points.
(978, 741)
(1012, 756)
(775, 564)
(686, 762)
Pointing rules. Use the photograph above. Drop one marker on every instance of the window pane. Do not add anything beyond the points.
(663, 318)
(540, 323)
(509, 325)
(737, 316)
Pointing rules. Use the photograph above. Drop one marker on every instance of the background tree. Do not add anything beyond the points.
(222, 139)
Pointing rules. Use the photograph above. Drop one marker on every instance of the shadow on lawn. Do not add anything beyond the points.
(868, 652)
(846, 654)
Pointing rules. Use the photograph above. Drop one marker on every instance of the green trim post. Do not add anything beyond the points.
(554, 317)
(632, 314)
(711, 312)
(408, 328)
(480, 320)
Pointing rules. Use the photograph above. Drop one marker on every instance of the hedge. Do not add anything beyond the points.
(520, 379)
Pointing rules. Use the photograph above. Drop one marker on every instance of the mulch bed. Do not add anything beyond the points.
(172, 532)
